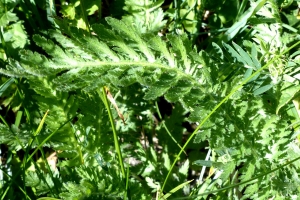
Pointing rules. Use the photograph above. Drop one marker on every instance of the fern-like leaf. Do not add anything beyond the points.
(108, 59)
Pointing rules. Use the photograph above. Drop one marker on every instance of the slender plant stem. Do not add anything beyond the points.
(127, 192)
(218, 105)
(166, 128)
(111, 119)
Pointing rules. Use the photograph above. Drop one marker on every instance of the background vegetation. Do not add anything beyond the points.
(146, 99)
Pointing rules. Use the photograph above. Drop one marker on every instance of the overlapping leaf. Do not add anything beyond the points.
(87, 63)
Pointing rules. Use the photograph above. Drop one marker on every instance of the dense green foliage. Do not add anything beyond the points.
(136, 99)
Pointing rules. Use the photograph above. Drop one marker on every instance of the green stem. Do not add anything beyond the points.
(127, 193)
(166, 128)
(111, 119)
(217, 106)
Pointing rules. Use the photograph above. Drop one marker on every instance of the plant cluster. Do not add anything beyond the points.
(151, 99)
